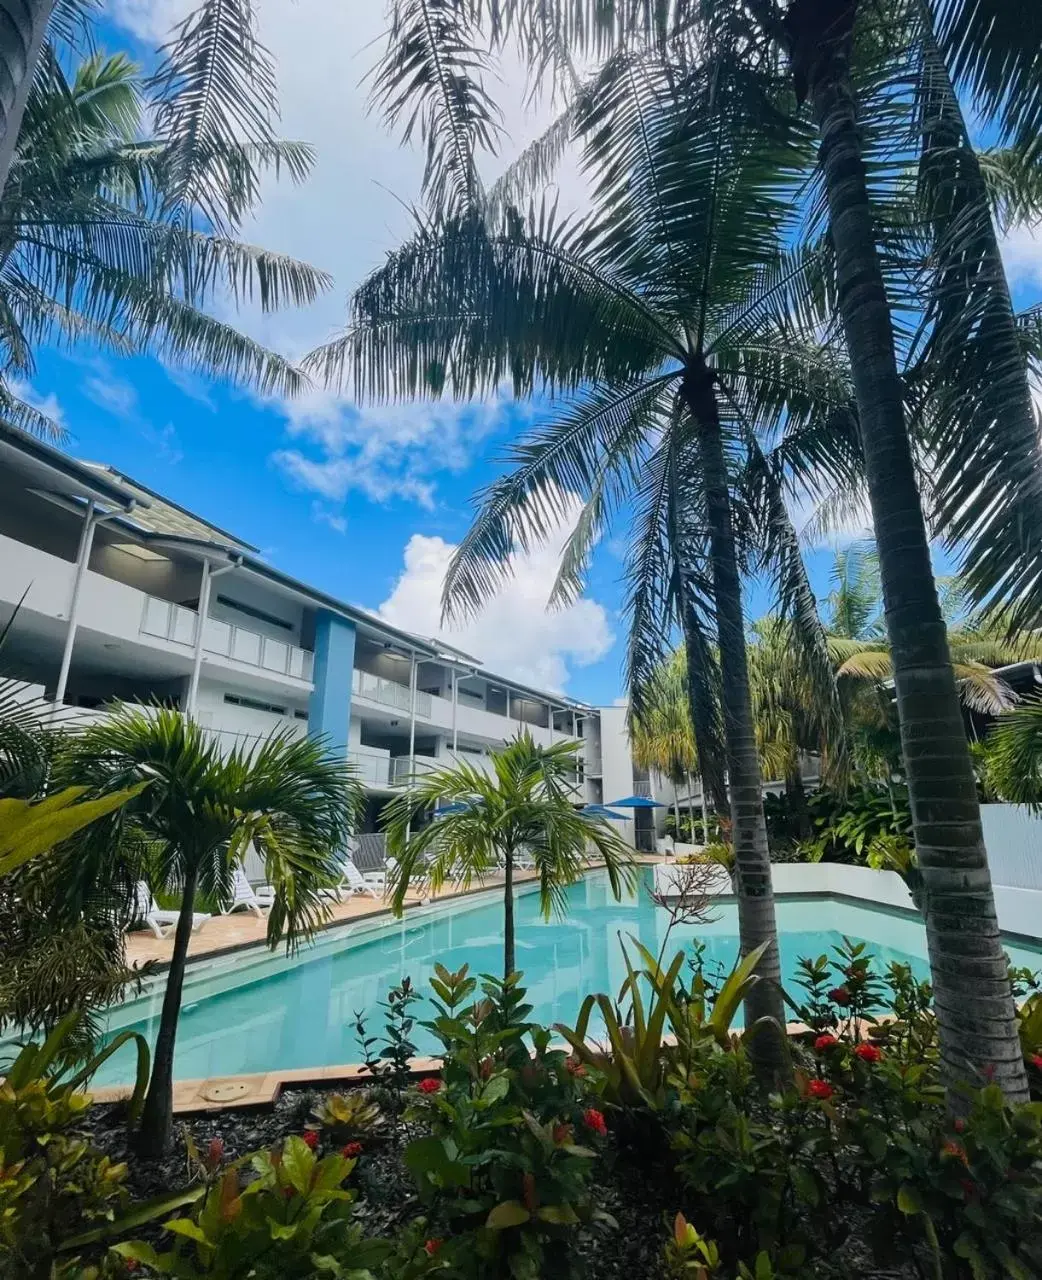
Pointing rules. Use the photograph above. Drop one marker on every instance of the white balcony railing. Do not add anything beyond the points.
(390, 693)
(403, 769)
(371, 767)
(170, 621)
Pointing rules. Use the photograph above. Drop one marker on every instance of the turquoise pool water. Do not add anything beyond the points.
(267, 1013)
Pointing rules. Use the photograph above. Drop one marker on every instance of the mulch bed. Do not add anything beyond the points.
(641, 1194)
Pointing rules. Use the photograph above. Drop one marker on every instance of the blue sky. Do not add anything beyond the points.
(365, 504)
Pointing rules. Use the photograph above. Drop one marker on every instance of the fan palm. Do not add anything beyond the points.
(288, 798)
(483, 821)
(666, 314)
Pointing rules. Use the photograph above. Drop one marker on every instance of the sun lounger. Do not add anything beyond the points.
(159, 921)
(244, 895)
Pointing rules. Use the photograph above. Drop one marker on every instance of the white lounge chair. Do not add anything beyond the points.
(155, 917)
(244, 895)
(352, 881)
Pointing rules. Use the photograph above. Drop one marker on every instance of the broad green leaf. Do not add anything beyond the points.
(298, 1160)
(908, 1199)
(509, 1213)
(562, 1215)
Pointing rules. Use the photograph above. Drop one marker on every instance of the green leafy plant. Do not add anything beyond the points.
(390, 1065)
(58, 1192)
(505, 1164)
(295, 1217)
(689, 1254)
(347, 1117)
(843, 990)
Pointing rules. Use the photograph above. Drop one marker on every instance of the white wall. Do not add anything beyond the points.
(1013, 838)
(245, 722)
(616, 762)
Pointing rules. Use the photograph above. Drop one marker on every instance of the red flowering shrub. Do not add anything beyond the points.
(594, 1119)
(429, 1086)
(352, 1151)
(840, 995)
(820, 1089)
(432, 1246)
(868, 1052)
(825, 1042)
(310, 1137)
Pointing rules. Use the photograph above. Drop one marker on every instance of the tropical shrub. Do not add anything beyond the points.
(509, 1155)
(348, 1117)
(689, 830)
(294, 1212)
(847, 826)
(390, 1062)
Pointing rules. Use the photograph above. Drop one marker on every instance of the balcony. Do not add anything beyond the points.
(403, 769)
(372, 769)
(167, 621)
(389, 693)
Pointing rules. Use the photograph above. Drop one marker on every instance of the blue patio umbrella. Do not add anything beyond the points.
(457, 806)
(634, 802)
(602, 811)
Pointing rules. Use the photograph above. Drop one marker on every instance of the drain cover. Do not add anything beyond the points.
(225, 1091)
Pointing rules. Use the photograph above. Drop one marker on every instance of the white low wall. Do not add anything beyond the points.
(1013, 838)
(1019, 910)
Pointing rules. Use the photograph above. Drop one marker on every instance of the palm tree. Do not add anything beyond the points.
(288, 798)
(662, 736)
(123, 209)
(483, 821)
(666, 313)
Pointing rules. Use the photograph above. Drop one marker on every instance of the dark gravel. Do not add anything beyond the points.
(640, 1192)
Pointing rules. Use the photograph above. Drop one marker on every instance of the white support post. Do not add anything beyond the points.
(412, 714)
(202, 614)
(90, 523)
(455, 705)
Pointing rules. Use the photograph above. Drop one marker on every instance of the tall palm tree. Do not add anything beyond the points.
(289, 799)
(666, 314)
(483, 821)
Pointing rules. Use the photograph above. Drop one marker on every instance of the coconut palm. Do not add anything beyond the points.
(287, 798)
(484, 821)
(667, 314)
(125, 201)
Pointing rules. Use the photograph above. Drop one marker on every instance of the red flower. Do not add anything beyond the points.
(594, 1119)
(825, 1042)
(562, 1134)
(131, 1264)
(214, 1153)
(432, 1246)
(868, 1052)
(820, 1089)
(840, 995)
(1036, 1061)
(352, 1151)
(955, 1150)
(429, 1085)
(960, 1125)
(310, 1137)
(575, 1068)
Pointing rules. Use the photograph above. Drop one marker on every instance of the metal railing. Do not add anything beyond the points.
(169, 621)
(389, 693)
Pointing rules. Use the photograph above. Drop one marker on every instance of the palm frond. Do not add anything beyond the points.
(431, 84)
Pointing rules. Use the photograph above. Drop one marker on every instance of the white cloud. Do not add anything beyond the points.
(384, 452)
(112, 394)
(514, 635)
(1022, 254)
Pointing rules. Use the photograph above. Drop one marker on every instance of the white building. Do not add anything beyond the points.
(123, 595)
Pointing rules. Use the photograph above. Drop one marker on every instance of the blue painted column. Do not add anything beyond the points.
(329, 711)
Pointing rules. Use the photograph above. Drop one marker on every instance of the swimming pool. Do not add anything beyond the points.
(260, 1012)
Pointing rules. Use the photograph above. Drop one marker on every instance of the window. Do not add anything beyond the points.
(300, 715)
(250, 612)
(251, 704)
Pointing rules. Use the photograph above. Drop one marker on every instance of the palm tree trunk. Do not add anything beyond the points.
(756, 917)
(975, 1012)
(157, 1118)
(705, 812)
(676, 817)
(23, 28)
(508, 914)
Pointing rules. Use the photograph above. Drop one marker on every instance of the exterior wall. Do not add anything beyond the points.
(241, 725)
(1013, 838)
(616, 763)
(121, 560)
(329, 712)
